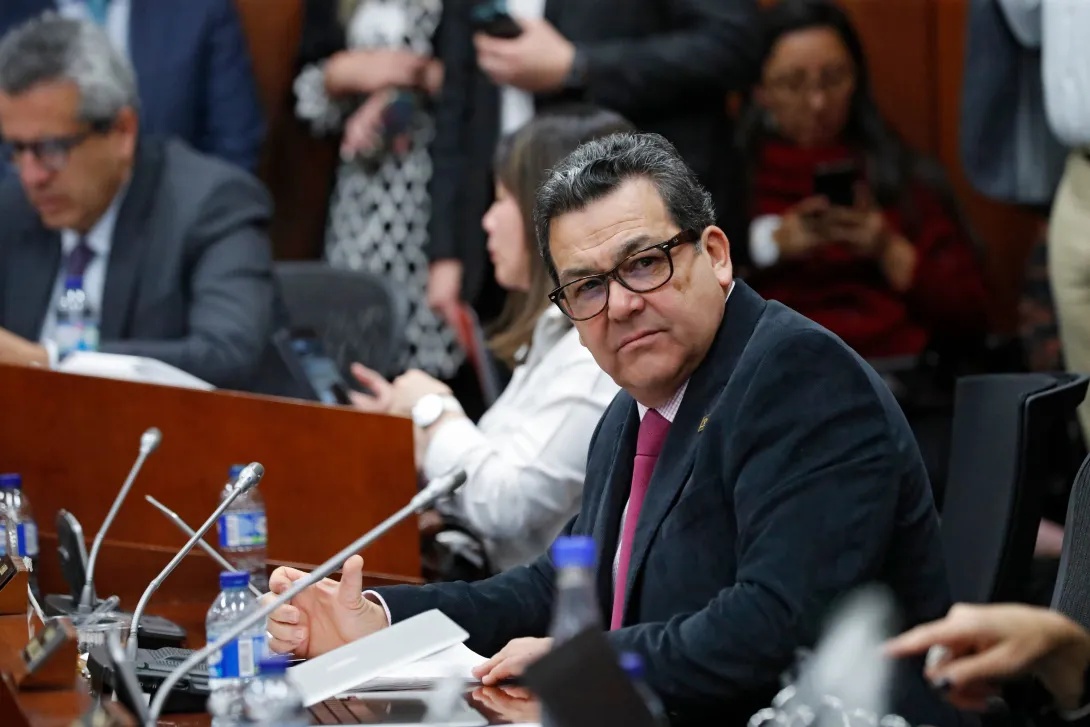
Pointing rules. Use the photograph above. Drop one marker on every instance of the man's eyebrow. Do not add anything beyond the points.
(634, 244)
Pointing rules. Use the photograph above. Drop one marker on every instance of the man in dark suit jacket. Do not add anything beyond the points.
(184, 268)
(666, 65)
(788, 475)
(193, 68)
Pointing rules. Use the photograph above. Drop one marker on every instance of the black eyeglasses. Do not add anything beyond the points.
(640, 272)
(53, 152)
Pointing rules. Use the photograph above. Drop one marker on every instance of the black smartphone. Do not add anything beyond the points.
(836, 182)
(312, 368)
(491, 18)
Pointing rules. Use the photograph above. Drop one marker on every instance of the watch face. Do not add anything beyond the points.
(427, 410)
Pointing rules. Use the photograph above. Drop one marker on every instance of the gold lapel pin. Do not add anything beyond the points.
(702, 423)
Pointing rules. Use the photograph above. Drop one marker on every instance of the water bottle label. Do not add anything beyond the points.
(243, 530)
(28, 539)
(237, 660)
(75, 336)
(3, 539)
(67, 336)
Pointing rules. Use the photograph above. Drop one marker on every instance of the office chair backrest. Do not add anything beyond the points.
(471, 337)
(359, 316)
(992, 507)
(1072, 594)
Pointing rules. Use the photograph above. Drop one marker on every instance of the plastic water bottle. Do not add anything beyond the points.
(77, 327)
(273, 701)
(17, 526)
(237, 663)
(575, 608)
(632, 664)
(243, 532)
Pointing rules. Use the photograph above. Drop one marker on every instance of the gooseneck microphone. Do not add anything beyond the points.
(247, 480)
(426, 498)
(149, 442)
(184, 527)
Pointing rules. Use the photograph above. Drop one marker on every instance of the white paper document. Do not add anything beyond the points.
(383, 654)
(458, 661)
(130, 368)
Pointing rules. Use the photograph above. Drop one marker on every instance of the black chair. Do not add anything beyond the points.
(999, 459)
(1072, 594)
(358, 316)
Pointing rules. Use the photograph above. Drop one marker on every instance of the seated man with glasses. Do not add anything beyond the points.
(167, 246)
(752, 471)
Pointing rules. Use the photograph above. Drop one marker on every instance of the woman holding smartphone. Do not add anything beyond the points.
(847, 225)
(526, 458)
(369, 75)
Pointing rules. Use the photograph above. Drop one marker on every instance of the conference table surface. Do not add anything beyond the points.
(59, 708)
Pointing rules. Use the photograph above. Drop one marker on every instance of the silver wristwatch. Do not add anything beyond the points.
(432, 406)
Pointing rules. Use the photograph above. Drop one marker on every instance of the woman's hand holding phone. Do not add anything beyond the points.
(802, 228)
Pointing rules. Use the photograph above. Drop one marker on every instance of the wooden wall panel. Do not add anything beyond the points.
(899, 40)
(295, 166)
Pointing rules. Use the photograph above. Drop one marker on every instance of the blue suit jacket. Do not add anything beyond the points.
(193, 70)
(788, 477)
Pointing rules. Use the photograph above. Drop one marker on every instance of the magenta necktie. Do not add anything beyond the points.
(649, 442)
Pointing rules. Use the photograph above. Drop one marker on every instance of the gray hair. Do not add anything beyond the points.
(599, 167)
(50, 48)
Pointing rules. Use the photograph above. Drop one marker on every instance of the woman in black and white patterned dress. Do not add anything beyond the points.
(379, 209)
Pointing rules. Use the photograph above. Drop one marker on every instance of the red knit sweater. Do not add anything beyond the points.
(848, 294)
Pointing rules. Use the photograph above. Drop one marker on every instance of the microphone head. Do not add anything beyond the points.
(149, 440)
(249, 477)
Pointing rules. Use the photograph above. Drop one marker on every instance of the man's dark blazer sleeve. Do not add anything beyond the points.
(232, 123)
(712, 44)
(813, 497)
(514, 604)
(229, 263)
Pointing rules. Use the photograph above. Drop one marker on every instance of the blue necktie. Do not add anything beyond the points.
(98, 10)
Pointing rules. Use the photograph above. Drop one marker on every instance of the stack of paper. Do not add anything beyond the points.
(454, 661)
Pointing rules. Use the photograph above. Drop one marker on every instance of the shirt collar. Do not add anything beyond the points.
(100, 236)
(670, 408)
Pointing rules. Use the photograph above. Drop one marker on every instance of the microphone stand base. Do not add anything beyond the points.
(154, 632)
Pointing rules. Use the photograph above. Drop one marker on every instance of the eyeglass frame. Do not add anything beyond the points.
(682, 238)
(842, 77)
(10, 151)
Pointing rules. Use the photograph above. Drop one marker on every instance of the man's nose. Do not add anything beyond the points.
(622, 301)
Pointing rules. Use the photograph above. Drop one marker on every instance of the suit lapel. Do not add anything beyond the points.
(31, 275)
(607, 529)
(675, 462)
(129, 245)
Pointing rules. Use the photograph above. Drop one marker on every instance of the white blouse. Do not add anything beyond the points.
(526, 459)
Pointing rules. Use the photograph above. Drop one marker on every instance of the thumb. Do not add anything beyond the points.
(350, 589)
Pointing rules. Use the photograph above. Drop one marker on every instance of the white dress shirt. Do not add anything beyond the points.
(526, 459)
(516, 105)
(117, 18)
(100, 240)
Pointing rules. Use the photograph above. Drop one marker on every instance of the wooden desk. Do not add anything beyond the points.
(59, 708)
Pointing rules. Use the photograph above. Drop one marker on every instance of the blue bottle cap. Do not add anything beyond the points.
(11, 480)
(632, 664)
(233, 579)
(235, 471)
(273, 664)
(574, 551)
(73, 282)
